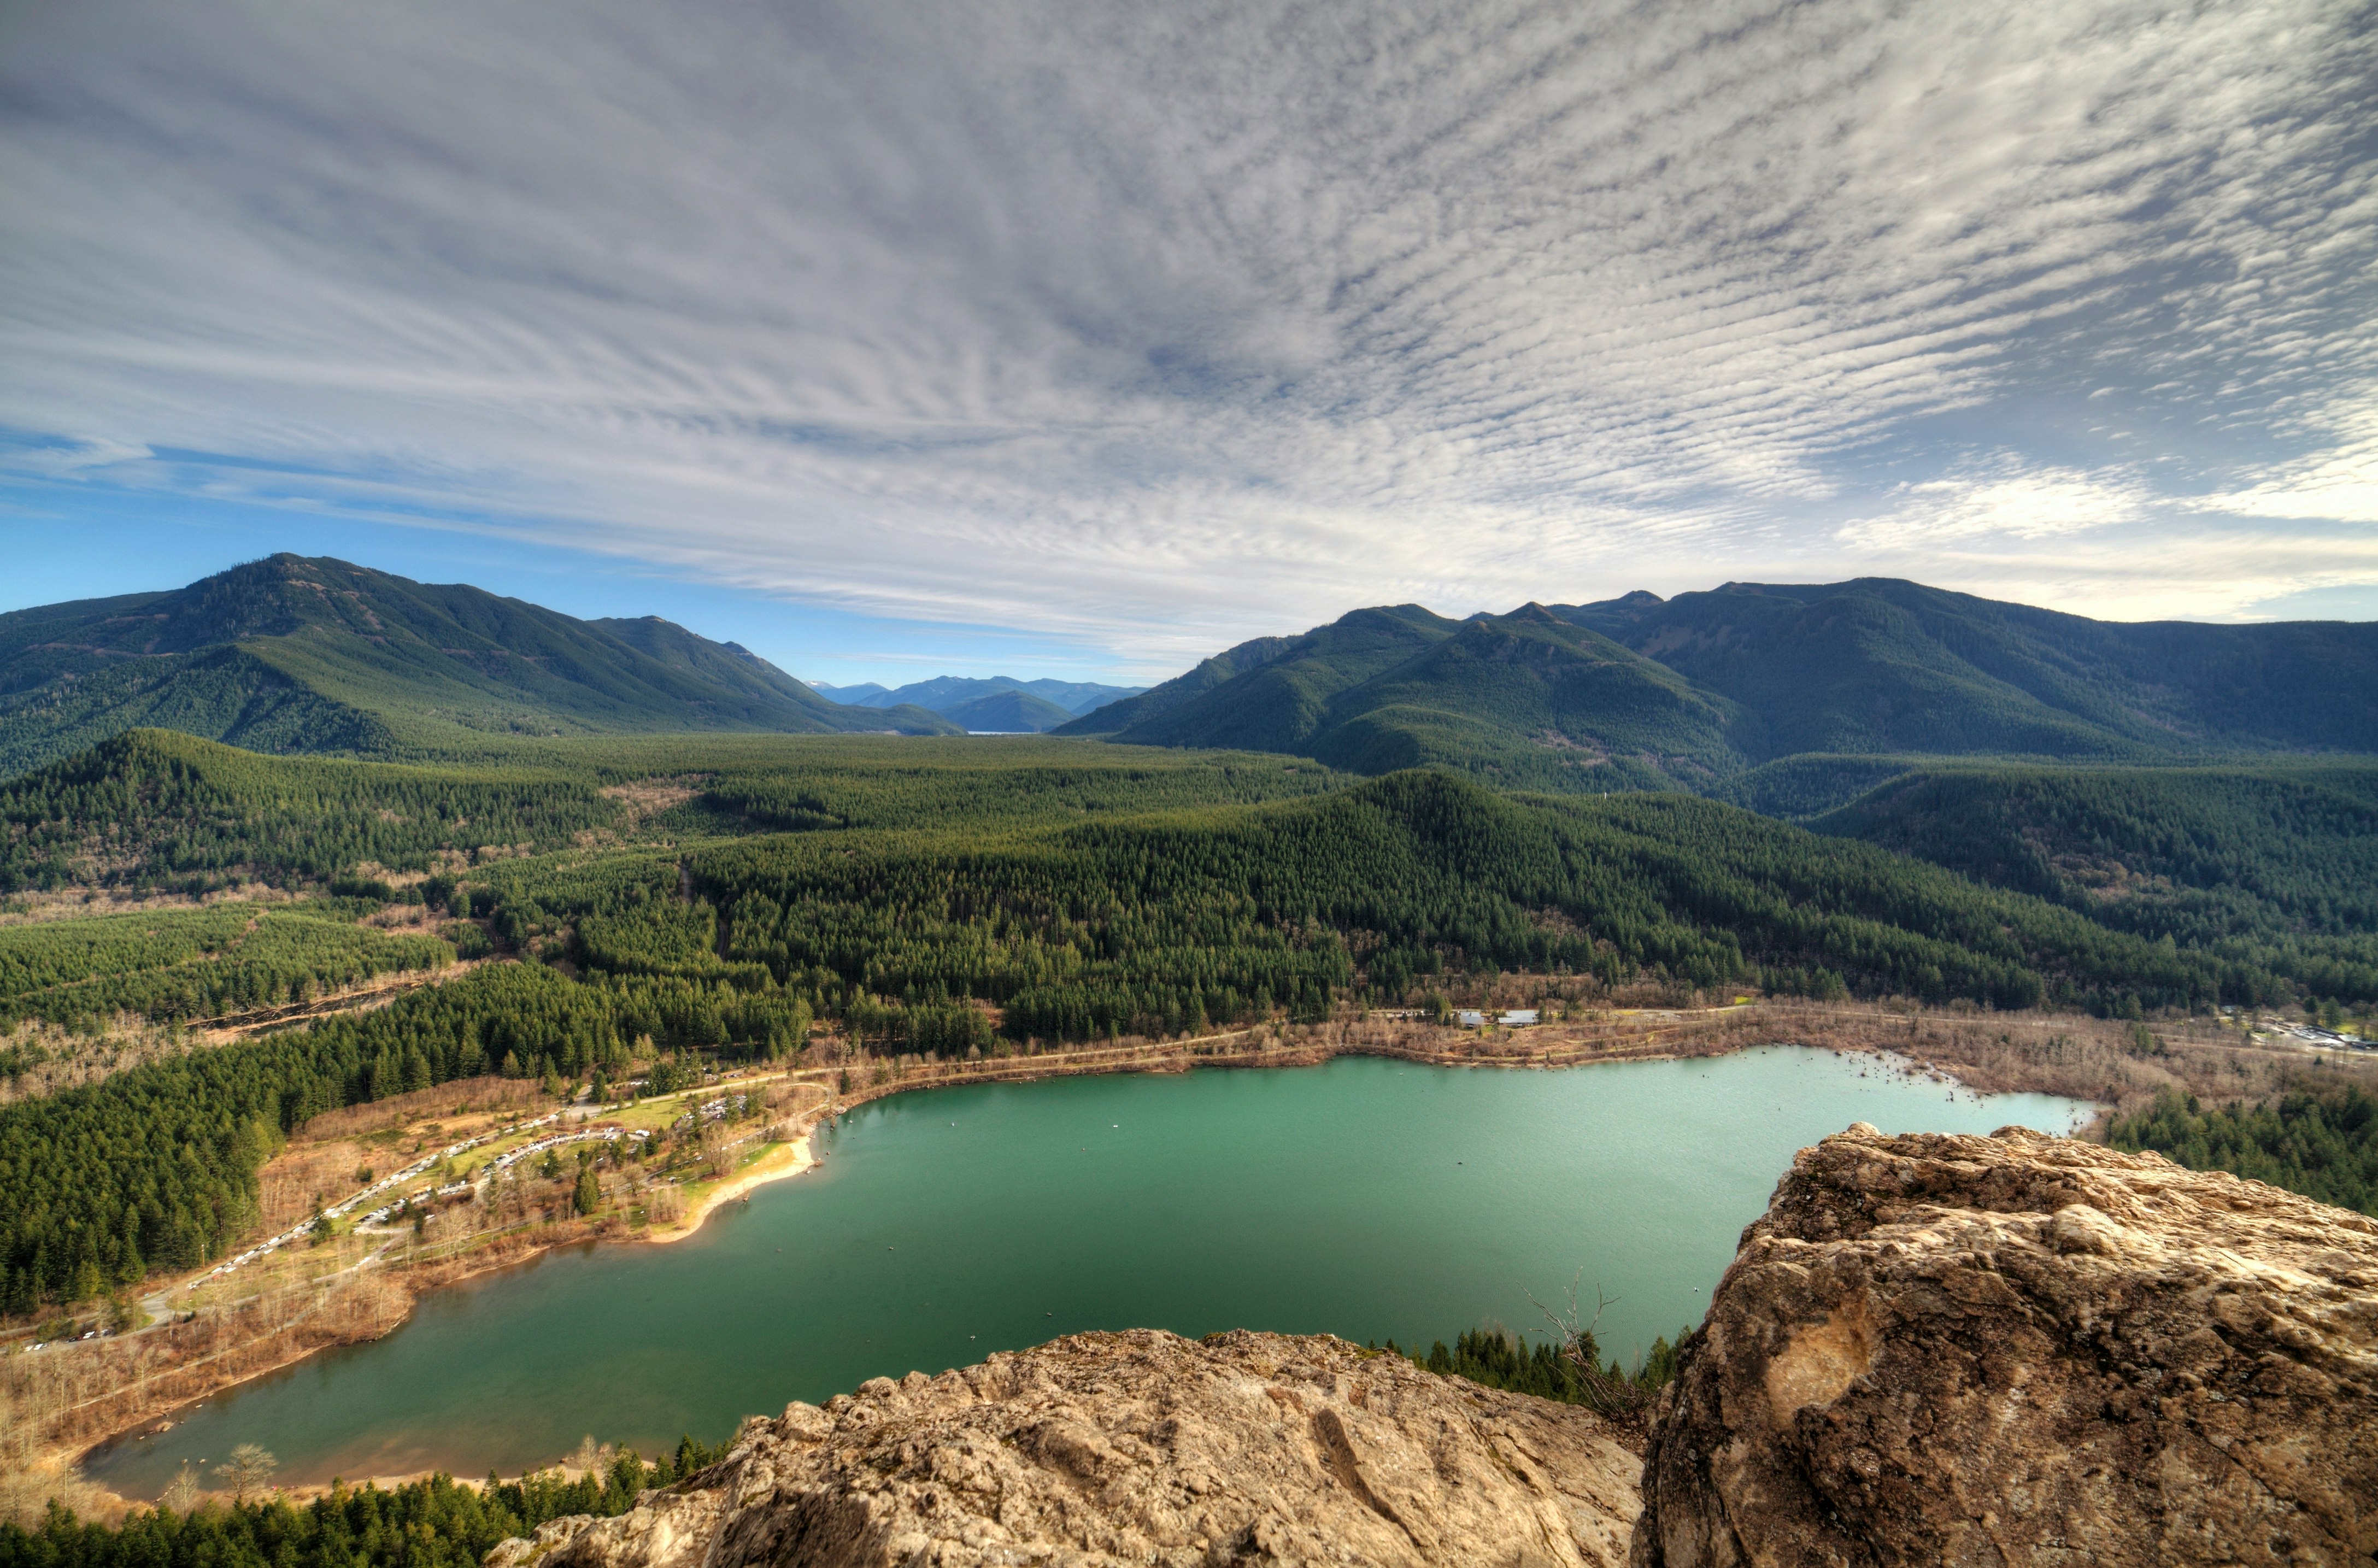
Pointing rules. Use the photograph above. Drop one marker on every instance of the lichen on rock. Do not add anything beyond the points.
(2016, 1350)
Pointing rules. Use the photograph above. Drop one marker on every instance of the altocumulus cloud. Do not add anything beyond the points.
(1160, 324)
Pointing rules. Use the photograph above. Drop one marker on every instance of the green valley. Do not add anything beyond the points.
(933, 897)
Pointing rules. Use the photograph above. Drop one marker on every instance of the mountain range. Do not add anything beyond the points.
(1001, 702)
(1703, 688)
(292, 653)
(1793, 700)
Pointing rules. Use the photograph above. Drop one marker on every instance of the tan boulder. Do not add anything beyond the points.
(1141, 1448)
(2022, 1349)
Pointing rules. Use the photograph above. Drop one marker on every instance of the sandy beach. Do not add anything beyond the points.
(786, 1160)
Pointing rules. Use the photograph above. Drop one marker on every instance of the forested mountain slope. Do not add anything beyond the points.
(2279, 851)
(1880, 665)
(1525, 699)
(156, 811)
(729, 665)
(1702, 689)
(1529, 703)
(1268, 695)
(1007, 712)
(1801, 787)
(297, 654)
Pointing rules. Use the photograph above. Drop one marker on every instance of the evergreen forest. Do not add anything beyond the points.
(721, 899)
(517, 856)
(2318, 1140)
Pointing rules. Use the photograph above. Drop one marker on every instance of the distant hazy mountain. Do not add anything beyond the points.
(1699, 690)
(1007, 712)
(1053, 701)
(298, 655)
(855, 695)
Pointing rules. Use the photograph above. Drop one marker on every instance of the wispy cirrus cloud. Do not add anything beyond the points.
(2338, 480)
(1160, 326)
(2000, 498)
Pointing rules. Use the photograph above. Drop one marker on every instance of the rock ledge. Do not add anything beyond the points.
(1937, 1349)
(1140, 1448)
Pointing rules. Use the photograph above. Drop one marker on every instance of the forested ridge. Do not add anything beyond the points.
(1122, 925)
(2199, 852)
(1881, 664)
(995, 791)
(2271, 866)
(967, 908)
(298, 655)
(180, 966)
(1524, 701)
(153, 810)
(1693, 692)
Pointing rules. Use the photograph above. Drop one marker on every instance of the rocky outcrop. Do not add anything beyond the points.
(2022, 1349)
(2013, 1349)
(1140, 1448)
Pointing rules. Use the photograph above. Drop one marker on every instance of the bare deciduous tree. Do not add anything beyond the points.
(181, 1492)
(250, 1470)
(716, 1158)
(590, 1458)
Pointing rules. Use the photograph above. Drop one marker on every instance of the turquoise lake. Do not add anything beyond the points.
(1364, 1198)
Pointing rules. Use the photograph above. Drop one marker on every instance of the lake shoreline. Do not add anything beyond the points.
(782, 1163)
(1661, 1037)
(959, 1172)
(1638, 1035)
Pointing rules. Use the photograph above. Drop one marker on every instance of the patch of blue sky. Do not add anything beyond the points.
(88, 539)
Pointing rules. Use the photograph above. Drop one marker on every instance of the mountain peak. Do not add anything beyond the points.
(292, 652)
(1694, 689)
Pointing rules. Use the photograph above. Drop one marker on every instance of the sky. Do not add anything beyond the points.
(1085, 337)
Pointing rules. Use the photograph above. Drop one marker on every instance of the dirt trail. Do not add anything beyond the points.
(376, 992)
